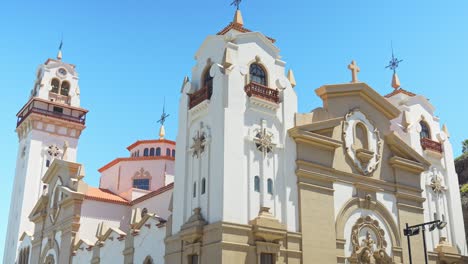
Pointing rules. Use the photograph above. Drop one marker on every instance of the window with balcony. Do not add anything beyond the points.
(258, 74)
(425, 131)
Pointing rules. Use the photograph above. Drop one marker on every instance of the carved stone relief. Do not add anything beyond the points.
(362, 148)
(369, 244)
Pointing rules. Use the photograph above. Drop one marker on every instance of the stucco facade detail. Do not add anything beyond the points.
(250, 180)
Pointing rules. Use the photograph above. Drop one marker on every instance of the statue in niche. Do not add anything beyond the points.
(371, 250)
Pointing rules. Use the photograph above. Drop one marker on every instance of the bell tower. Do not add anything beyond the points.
(48, 127)
(235, 160)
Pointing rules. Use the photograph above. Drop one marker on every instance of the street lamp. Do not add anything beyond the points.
(414, 230)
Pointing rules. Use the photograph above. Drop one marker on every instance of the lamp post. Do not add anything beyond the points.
(414, 230)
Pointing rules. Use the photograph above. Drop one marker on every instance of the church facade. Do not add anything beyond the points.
(248, 178)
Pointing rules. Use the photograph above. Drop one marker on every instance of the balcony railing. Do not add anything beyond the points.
(200, 96)
(428, 144)
(45, 108)
(261, 91)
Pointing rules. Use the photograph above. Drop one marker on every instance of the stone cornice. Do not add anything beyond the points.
(307, 169)
(406, 164)
(317, 140)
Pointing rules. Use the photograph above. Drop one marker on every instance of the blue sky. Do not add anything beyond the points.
(132, 54)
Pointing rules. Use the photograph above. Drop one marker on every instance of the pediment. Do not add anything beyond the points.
(40, 208)
(70, 173)
(329, 93)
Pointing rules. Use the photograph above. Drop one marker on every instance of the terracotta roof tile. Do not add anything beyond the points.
(150, 141)
(104, 195)
(153, 193)
(240, 28)
(399, 90)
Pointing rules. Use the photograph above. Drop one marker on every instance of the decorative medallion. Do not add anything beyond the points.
(263, 139)
(368, 241)
(53, 151)
(362, 141)
(198, 146)
(437, 182)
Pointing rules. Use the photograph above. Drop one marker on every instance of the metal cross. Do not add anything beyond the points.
(393, 64)
(236, 3)
(163, 115)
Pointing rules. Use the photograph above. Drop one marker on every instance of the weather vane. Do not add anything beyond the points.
(236, 3)
(393, 64)
(163, 115)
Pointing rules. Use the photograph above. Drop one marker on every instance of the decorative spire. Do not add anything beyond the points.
(354, 71)
(59, 54)
(162, 120)
(291, 78)
(445, 129)
(393, 65)
(237, 16)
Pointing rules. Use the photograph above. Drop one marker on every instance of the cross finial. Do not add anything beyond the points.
(394, 62)
(354, 71)
(163, 115)
(236, 3)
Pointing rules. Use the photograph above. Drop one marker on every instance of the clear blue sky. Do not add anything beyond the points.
(131, 54)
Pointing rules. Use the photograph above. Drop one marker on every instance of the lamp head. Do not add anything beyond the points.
(441, 225)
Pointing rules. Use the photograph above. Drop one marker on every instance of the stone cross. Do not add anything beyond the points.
(264, 140)
(354, 71)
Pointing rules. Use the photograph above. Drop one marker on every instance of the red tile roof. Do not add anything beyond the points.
(153, 193)
(399, 90)
(112, 163)
(240, 28)
(151, 141)
(104, 195)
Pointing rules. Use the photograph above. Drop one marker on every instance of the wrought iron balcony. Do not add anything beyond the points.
(428, 144)
(261, 91)
(45, 108)
(200, 96)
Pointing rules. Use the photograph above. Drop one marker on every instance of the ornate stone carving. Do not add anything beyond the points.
(366, 157)
(437, 182)
(372, 247)
(53, 151)
(263, 139)
(198, 145)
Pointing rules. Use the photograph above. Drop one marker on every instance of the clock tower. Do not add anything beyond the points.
(48, 127)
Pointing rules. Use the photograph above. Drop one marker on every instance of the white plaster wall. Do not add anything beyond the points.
(389, 201)
(158, 204)
(82, 255)
(95, 212)
(419, 108)
(150, 242)
(343, 192)
(112, 251)
(28, 185)
(230, 160)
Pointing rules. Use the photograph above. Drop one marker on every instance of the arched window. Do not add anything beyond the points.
(145, 152)
(194, 189)
(168, 152)
(158, 151)
(257, 74)
(151, 152)
(55, 83)
(207, 79)
(65, 88)
(360, 139)
(270, 186)
(148, 260)
(203, 186)
(173, 153)
(425, 131)
(257, 184)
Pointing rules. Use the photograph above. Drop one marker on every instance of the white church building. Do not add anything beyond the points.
(248, 179)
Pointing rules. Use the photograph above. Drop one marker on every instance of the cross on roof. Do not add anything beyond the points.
(354, 71)
(393, 64)
(163, 115)
(236, 3)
